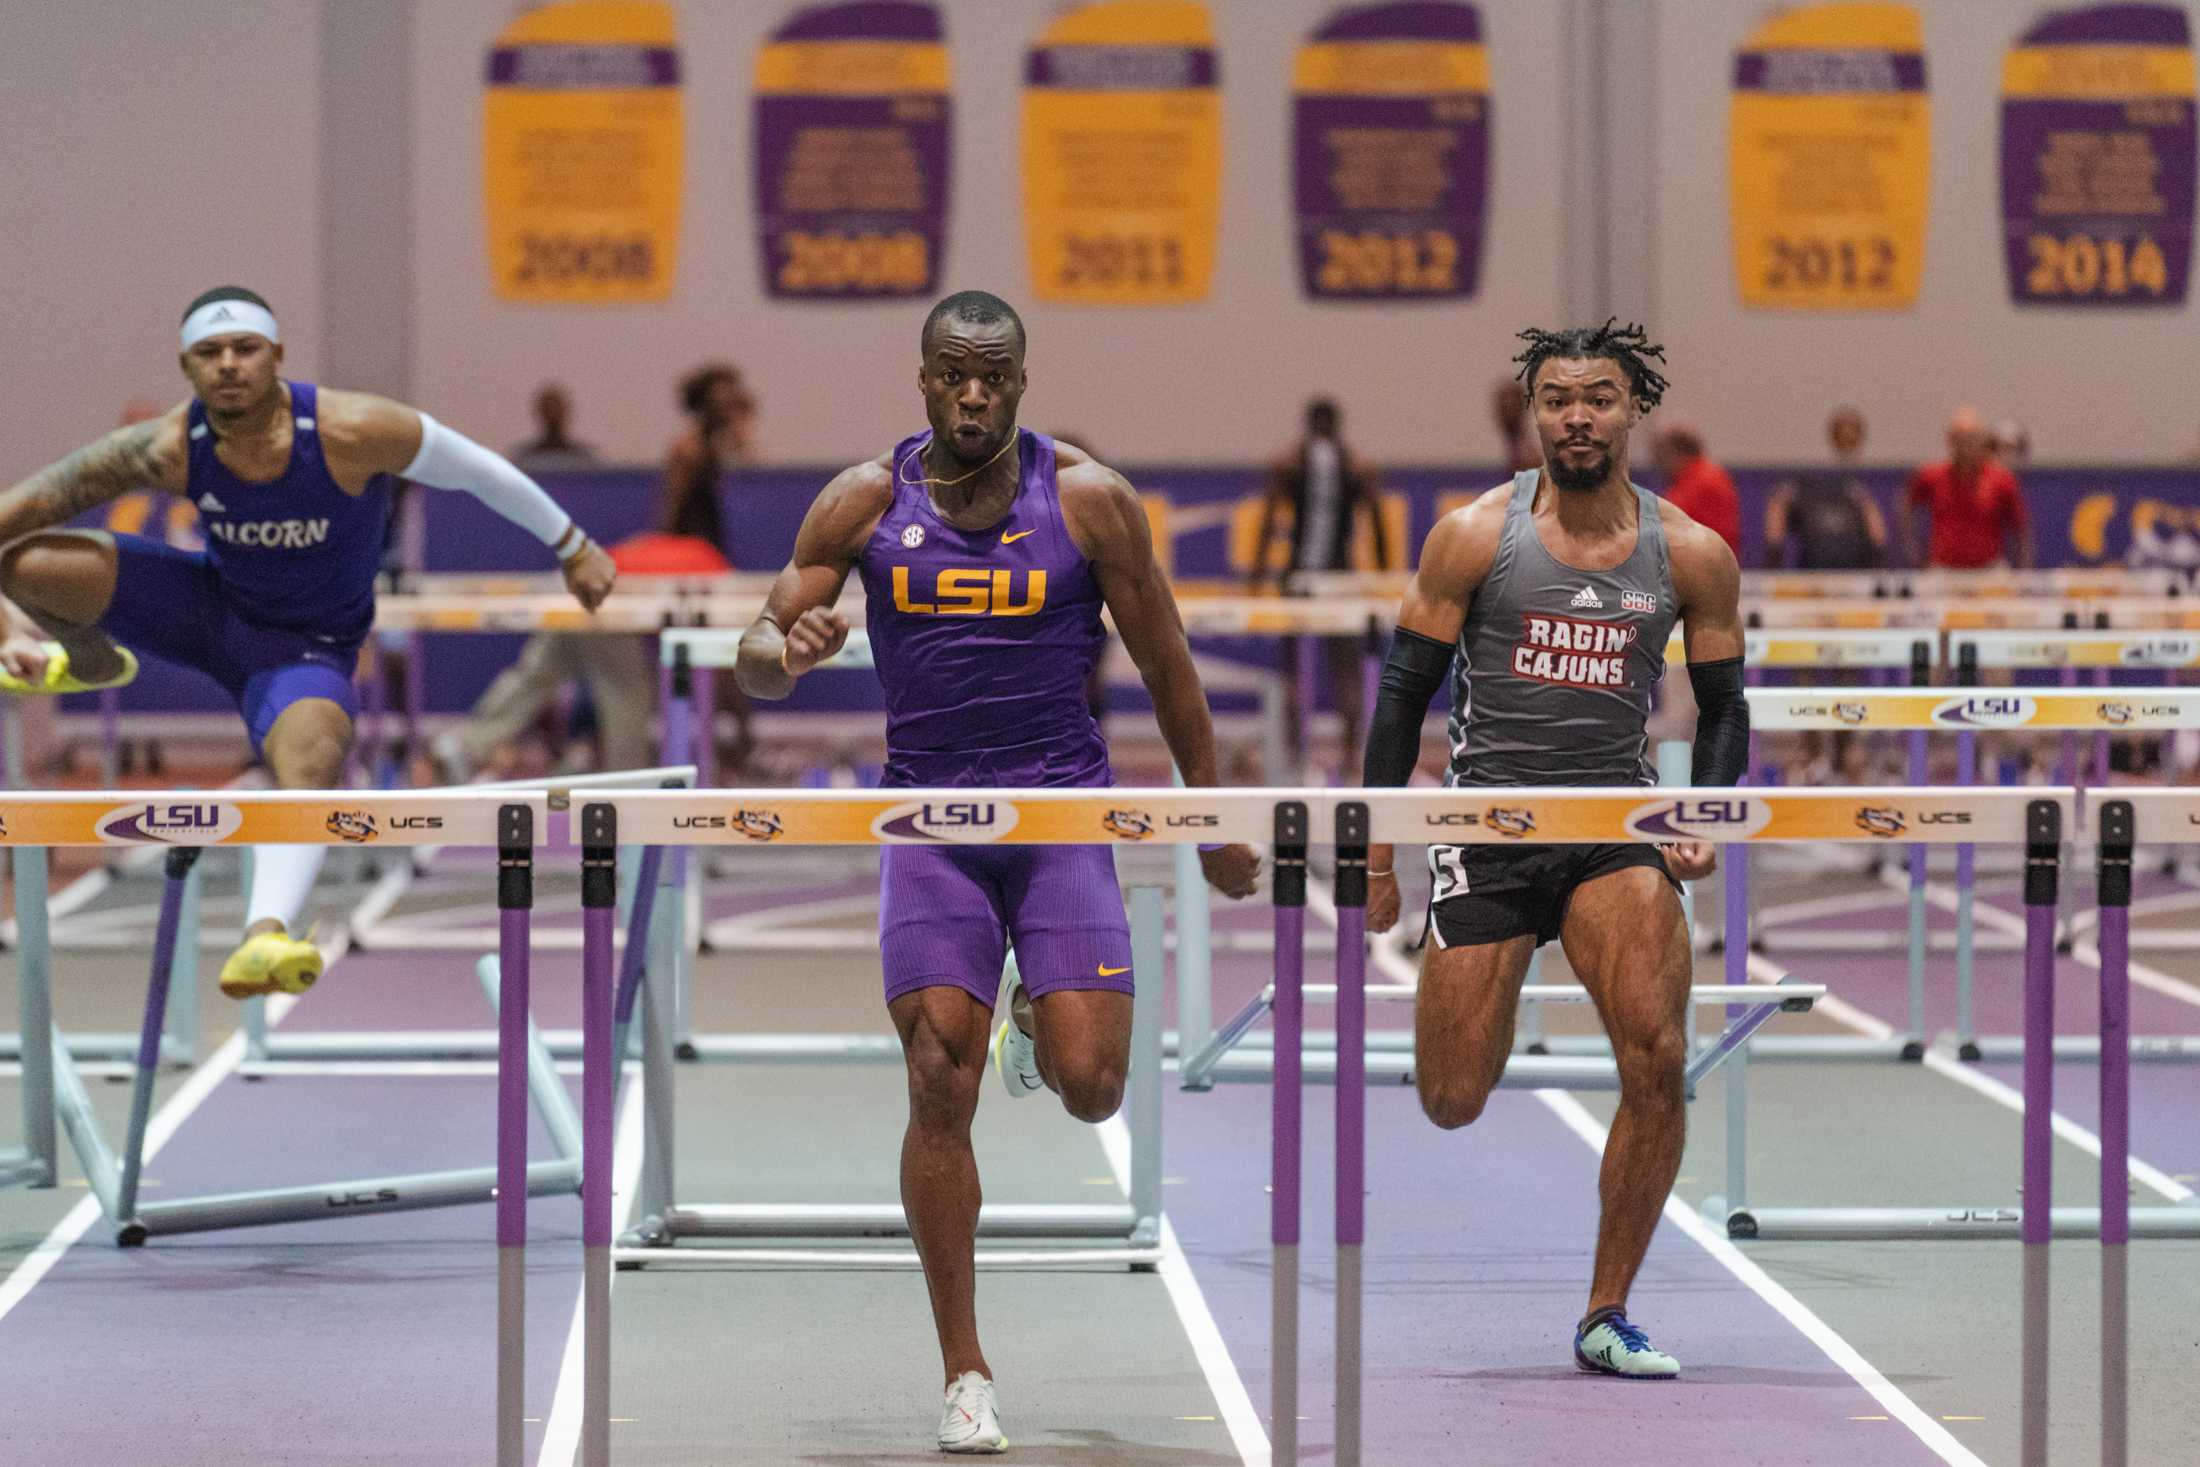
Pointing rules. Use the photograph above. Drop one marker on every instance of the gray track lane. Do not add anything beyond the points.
(842, 1367)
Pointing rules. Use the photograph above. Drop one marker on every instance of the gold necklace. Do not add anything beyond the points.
(951, 483)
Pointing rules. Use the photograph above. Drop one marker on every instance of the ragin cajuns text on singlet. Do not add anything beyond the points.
(1551, 679)
(983, 639)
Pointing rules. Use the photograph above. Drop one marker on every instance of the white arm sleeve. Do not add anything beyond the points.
(451, 460)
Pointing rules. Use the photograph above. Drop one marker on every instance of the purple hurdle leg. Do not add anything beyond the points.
(599, 1079)
(2115, 945)
(515, 905)
(1352, 833)
(1283, 1209)
(2043, 854)
(180, 861)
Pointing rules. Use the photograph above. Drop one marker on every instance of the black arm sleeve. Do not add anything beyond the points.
(1722, 723)
(1411, 675)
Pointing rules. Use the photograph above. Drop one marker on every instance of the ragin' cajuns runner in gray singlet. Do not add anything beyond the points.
(1550, 600)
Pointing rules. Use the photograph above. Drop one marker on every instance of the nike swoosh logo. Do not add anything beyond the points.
(1108, 972)
(1011, 537)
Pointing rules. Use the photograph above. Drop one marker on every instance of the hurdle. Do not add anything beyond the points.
(272, 1051)
(2040, 818)
(1965, 712)
(1039, 1234)
(185, 823)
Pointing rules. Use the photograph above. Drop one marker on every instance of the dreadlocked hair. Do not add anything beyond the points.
(1628, 345)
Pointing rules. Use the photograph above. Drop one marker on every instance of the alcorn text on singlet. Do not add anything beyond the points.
(1552, 676)
(983, 639)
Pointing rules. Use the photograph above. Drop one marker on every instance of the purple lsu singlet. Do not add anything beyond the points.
(296, 551)
(983, 639)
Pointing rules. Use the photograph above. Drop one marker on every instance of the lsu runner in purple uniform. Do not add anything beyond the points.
(292, 485)
(986, 553)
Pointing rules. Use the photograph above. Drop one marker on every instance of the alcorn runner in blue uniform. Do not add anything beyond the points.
(292, 485)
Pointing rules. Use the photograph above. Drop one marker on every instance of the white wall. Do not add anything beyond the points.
(2094, 386)
(1220, 381)
(147, 153)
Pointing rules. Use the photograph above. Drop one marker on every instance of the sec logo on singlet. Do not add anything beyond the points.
(913, 536)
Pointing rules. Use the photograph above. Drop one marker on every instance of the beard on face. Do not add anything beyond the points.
(1565, 476)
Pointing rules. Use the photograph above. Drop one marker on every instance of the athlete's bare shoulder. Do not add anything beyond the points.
(1101, 509)
(1466, 539)
(1705, 572)
(845, 512)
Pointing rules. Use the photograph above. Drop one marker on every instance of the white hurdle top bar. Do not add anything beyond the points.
(2135, 650)
(2109, 709)
(1495, 816)
(443, 817)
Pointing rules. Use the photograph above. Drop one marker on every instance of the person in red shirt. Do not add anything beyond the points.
(1698, 487)
(1977, 510)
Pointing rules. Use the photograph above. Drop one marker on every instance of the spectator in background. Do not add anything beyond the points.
(553, 447)
(720, 435)
(1698, 487)
(1826, 519)
(1323, 486)
(1515, 430)
(1977, 510)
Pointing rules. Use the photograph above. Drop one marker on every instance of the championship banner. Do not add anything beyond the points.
(1122, 154)
(2107, 710)
(1829, 152)
(581, 143)
(215, 817)
(853, 146)
(1558, 816)
(2097, 158)
(1391, 152)
(942, 817)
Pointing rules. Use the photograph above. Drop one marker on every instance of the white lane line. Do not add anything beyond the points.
(163, 1126)
(1232, 1400)
(561, 1435)
(1891, 1397)
(1793, 1310)
(1968, 1076)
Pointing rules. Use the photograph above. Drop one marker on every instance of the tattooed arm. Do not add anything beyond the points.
(150, 454)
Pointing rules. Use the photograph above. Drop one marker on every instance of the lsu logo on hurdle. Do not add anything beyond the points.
(759, 824)
(1127, 824)
(945, 822)
(1994, 712)
(1512, 821)
(356, 826)
(1880, 821)
(184, 823)
(1706, 817)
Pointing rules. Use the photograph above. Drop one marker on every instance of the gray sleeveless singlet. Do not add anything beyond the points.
(1552, 676)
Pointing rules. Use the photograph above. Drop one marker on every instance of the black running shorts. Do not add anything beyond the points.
(1487, 893)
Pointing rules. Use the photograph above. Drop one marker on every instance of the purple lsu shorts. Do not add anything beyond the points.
(169, 602)
(947, 915)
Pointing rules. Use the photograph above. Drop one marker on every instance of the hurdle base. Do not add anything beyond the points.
(1816, 1048)
(632, 1259)
(1112, 1236)
(791, 1048)
(1319, 1067)
(18, 1168)
(2086, 1048)
(106, 1048)
(1944, 1224)
(338, 1199)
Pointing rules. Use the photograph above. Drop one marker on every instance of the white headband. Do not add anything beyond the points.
(220, 318)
